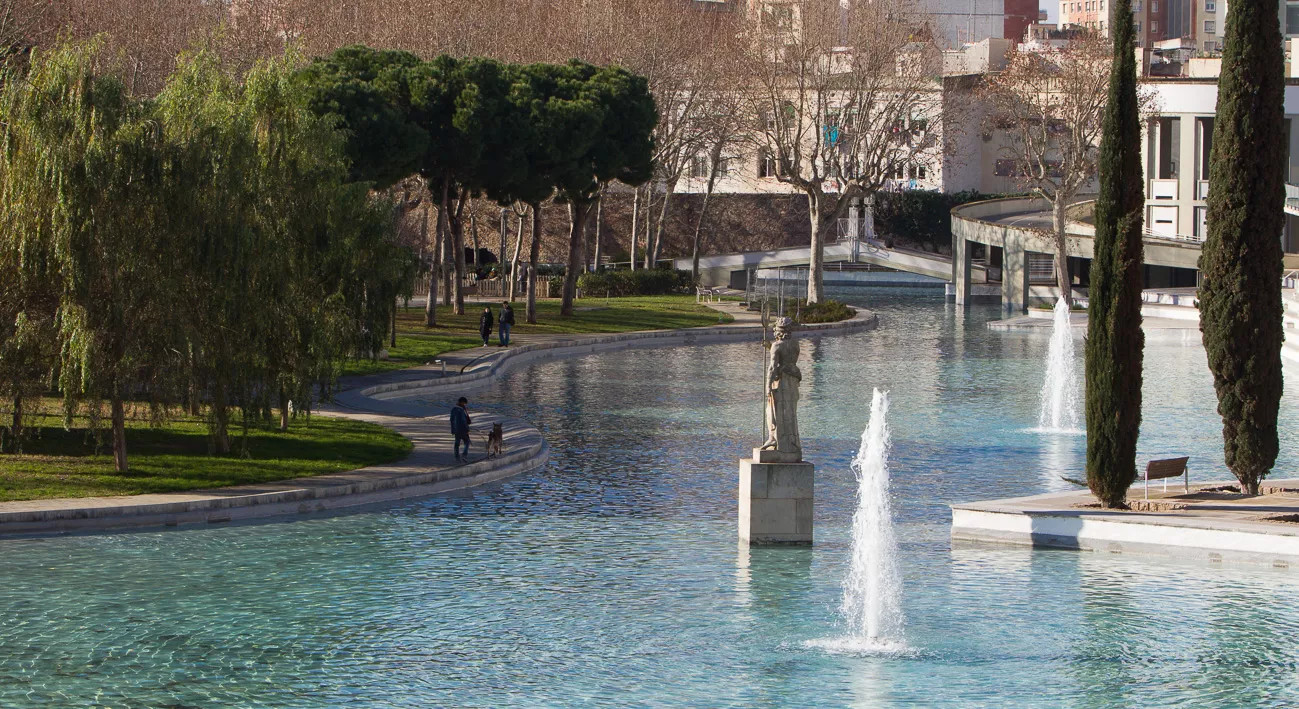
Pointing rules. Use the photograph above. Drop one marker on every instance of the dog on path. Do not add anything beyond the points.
(495, 440)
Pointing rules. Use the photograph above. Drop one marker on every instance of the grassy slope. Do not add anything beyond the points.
(174, 457)
(417, 345)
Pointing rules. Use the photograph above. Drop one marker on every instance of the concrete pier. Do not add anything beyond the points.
(1210, 523)
(775, 499)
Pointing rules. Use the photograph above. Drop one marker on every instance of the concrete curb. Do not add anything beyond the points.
(410, 477)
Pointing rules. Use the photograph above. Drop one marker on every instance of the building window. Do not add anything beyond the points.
(1136, 7)
(1154, 26)
(699, 166)
(1004, 168)
(1210, 6)
(1292, 18)
(1154, 6)
(1210, 27)
(1136, 27)
(766, 165)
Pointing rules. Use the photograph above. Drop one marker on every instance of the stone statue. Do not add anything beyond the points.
(783, 377)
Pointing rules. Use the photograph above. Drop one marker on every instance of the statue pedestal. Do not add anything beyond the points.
(775, 499)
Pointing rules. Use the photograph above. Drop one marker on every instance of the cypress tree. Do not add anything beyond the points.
(1114, 337)
(1240, 297)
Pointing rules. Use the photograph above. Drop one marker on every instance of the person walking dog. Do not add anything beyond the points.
(506, 322)
(460, 428)
(485, 324)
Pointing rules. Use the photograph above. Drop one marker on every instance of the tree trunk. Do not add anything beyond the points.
(653, 257)
(448, 270)
(505, 228)
(635, 222)
(649, 203)
(599, 213)
(119, 433)
(431, 305)
(1063, 279)
(220, 419)
(16, 426)
(816, 257)
(458, 282)
(284, 409)
(577, 213)
(514, 260)
(534, 255)
(473, 234)
(703, 210)
(392, 334)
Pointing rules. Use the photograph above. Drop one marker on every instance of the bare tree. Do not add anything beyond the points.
(845, 93)
(1047, 107)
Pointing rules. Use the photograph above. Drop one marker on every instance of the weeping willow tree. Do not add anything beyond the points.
(291, 268)
(205, 247)
(84, 169)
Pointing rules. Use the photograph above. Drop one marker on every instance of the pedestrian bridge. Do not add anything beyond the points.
(731, 269)
(1019, 229)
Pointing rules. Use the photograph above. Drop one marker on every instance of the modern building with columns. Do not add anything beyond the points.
(1009, 239)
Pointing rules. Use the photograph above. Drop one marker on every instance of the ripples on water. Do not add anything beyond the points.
(614, 577)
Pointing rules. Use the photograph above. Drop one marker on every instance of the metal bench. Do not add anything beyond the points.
(1165, 469)
(704, 295)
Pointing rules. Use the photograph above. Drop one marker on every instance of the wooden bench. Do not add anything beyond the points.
(1165, 469)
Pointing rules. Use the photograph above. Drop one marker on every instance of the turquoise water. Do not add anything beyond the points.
(613, 577)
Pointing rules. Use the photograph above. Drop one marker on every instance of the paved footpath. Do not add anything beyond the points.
(391, 399)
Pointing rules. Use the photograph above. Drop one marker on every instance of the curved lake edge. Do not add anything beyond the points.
(383, 399)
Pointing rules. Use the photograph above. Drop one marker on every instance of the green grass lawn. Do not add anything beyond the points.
(174, 457)
(418, 345)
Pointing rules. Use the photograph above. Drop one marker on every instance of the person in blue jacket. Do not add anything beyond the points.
(460, 428)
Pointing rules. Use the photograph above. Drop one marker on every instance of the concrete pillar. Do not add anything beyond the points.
(962, 266)
(1186, 176)
(1014, 274)
(775, 499)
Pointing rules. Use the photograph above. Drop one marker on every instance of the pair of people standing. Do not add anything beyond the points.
(506, 322)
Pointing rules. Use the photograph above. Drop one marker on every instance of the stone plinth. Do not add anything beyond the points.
(775, 499)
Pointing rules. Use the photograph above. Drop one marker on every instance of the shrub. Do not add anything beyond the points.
(641, 282)
(825, 311)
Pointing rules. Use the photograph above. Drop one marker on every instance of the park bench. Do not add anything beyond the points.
(1165, 469)
(706, 295)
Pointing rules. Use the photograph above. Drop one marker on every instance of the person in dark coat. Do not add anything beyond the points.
(507, 322)
(460, 428)
(485, 324)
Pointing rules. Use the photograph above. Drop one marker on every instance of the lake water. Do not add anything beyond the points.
(613, 576)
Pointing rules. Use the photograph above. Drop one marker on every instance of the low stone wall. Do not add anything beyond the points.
(420, 474)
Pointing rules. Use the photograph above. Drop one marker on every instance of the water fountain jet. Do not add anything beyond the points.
(872, 590)
(1059, 409)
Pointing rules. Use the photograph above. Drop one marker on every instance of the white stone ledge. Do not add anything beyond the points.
(1173, 536)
